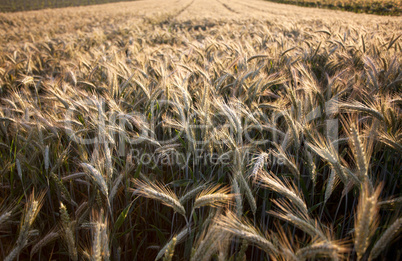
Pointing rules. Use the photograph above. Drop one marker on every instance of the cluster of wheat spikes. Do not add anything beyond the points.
(304, 120)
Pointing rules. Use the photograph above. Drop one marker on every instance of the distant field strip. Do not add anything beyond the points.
(26, 5)
(383, 7)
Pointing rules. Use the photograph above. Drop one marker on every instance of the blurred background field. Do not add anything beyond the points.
(26, 5)
(384, 7)
(379, 7)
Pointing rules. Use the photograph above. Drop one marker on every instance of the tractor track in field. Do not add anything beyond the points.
(184, 9)
(254, 8)
(228, 8)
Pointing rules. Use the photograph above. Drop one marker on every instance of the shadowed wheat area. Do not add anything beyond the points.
(200, 130)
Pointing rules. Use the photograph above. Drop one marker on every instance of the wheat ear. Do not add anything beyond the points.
(214, 197)
(271, 181)
(158, 192)
(366, 219)
(245, 230)
(386, 238)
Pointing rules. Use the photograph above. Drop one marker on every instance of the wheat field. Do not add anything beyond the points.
(200, 130)
(381, 7)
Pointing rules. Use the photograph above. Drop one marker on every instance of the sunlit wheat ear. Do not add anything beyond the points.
(178, 238)
(244, 229)
(332, 182)
(298, 219)
(321, 248)
(286, 244)
(359, 154)
(293, 126)
(97, 177)
(287, 160)
(360, 107)
(259, 162)
(311, 166)
(192, 193)
(32, 209)
(68, 232)
(284, 188)
(208, 242)
(96, 243)
(361, 150)
(170, 250)
(389, 234)
(326, 150)
(100, 237)
(159, 192)
(394, 141)
(366, 218)
(214, 197)
(233, 117)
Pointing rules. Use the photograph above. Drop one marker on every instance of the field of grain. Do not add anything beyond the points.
(200, 130)
(381, 7)
(27, 5)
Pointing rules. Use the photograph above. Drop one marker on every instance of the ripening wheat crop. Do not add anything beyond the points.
(163, 130)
